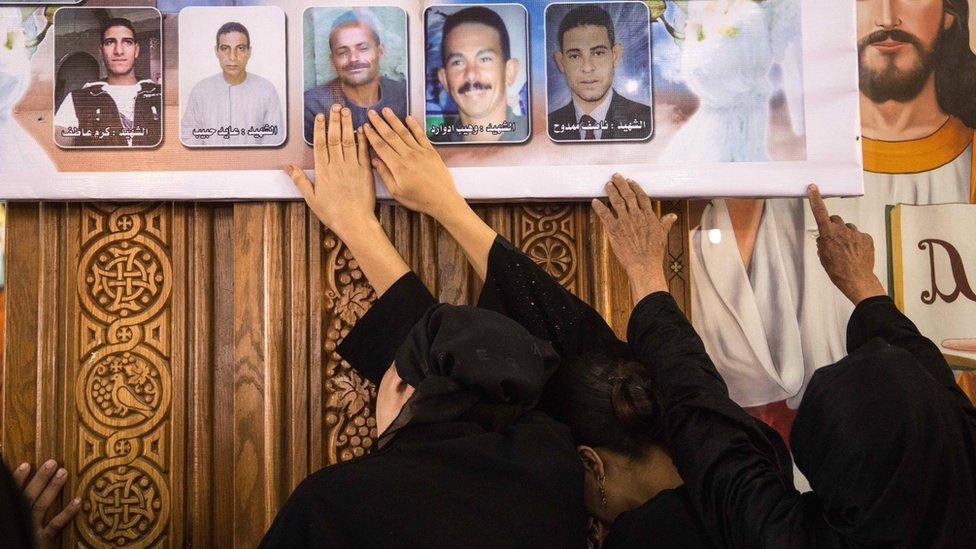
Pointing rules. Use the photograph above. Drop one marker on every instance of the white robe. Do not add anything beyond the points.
(770, 329)
(215, 104)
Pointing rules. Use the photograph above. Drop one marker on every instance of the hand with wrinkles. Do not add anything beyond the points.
(637, 236)
(845, 253)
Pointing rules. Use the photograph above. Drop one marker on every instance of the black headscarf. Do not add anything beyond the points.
(16, 529)
(889, 452)
(471, 364)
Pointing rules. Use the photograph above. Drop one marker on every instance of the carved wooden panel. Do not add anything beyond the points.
(123, 388)
(179, 359)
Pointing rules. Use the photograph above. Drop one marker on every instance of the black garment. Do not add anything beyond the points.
(97, 111)
(467, 463)
(518, 288)
(893, 404)
(885, 437)
(16, 528)
(622, 111)
(669, 520)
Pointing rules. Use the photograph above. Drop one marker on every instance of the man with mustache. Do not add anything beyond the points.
(587, 56)
(234, 99)
(119, 111)
(476, 69)
(767, 312)
(355, 53)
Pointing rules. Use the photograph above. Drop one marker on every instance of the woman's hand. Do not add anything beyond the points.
(40, 493)
(343, 196)
(409, 166)
(637, 236)
(845, 253)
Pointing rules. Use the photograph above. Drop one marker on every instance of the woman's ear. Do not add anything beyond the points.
(592, 462)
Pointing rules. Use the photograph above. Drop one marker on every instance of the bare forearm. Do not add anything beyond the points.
(471, 232)
(375, 254)
(644, 281)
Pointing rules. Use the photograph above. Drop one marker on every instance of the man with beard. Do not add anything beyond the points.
(767, 312)
(588, 55)
(120, 111)
(355, 53)
(476, 69)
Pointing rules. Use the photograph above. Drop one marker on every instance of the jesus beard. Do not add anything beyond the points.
(891, 83)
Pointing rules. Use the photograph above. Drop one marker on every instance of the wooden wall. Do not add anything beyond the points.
(179, 359)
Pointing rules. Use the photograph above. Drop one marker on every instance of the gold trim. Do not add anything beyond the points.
(917, 155)
(960, 363)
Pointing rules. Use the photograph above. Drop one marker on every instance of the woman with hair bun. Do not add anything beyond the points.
(885, 435)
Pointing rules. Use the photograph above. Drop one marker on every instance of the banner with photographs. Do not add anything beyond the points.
(207, 99)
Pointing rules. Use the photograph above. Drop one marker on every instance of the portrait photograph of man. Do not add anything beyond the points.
(108, 77)
(598, 72)
(477, 74)
(357, 57)
(232, 76)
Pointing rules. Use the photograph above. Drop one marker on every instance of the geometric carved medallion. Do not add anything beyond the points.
(124, 387)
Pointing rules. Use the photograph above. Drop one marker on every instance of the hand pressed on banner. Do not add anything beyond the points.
(343, 196)
(41, 493)
(408, 165)
(845, 253)
(637, 236)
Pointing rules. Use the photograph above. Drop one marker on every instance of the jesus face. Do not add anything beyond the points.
(897, 41)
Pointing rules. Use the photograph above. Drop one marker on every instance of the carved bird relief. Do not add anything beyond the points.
(125, 399)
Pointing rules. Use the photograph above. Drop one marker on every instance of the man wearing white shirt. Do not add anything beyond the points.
(233, 107)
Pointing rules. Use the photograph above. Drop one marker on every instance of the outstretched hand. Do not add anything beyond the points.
(408, 165)
(637, 236)
(845, 253)
(41, 492)
(343, 196)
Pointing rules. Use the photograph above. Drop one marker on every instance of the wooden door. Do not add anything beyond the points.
(179, 358)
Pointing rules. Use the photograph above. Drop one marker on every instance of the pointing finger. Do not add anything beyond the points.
(819, 209)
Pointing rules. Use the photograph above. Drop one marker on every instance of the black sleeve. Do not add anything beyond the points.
(305, 522)
(371, 345)
(733, 468)
(521, 290)
(878, 317)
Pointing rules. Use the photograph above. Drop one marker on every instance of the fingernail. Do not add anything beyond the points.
(371, 112)
(335, 107)
(61, 473)
(366, 126)
(320, 117)
(49, 464)
(76, 501)
(23, 466)
(387, 110)
(346, 112)
(410, 118)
